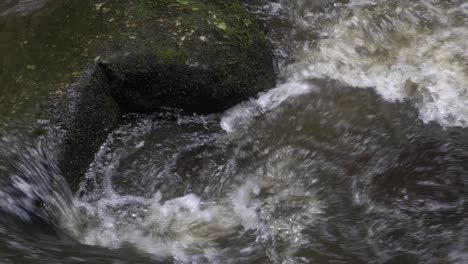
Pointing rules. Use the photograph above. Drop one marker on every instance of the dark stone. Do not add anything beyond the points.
(85, 113)
(198, 56)
(144, 84)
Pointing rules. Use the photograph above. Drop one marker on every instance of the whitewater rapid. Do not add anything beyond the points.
(415, 51)
(358, 155)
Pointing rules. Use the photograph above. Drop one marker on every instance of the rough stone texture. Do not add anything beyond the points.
(85, 113)
(199, 56)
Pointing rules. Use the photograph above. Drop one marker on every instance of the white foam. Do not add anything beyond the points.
(164, 229)
(400, 58)
(242, 114)
(245, 207)
(187, 228)
(414, 51)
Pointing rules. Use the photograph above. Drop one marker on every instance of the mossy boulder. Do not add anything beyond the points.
(46, 46)
(199, 56)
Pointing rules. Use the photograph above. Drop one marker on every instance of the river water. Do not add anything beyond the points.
(359, 155)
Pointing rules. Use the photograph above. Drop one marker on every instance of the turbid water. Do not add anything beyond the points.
(359, 155)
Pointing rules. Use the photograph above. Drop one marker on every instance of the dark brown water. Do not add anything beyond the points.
(359, 155)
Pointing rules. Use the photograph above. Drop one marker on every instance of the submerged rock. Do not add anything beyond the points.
(198, 56)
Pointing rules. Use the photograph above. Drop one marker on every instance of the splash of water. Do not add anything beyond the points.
(188, 228)
(414, 51)
(32, 186)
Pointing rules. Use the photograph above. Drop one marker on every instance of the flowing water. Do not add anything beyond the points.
(359, 155)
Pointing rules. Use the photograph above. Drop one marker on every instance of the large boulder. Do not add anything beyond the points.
(199, 56)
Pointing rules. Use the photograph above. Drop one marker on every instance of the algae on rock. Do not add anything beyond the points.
(199, 56)
(205, 55)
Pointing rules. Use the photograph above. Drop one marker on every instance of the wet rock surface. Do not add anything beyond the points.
(46, 45)
(196, 56)
(84, 115)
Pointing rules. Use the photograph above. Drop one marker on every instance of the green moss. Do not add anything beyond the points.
(230, 16)
(207, 32)
(170, 54)
(183, 2)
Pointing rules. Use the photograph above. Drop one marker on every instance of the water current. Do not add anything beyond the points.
(359, 155)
